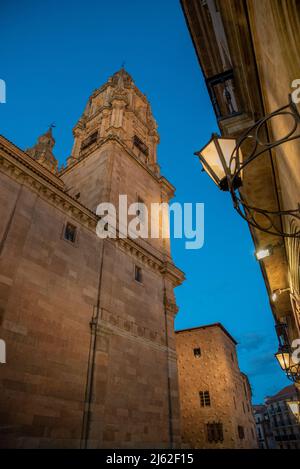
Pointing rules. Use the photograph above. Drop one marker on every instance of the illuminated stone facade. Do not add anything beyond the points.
(249, 57)
(91, 356)
(215, 397)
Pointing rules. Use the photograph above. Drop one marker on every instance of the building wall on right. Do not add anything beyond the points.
(215, 397)
(248, 54)
(275, 29)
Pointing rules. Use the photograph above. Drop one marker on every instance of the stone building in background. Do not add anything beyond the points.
(283, 413)
(215, 397)
(249, 55)
(88, 323)
(263, 427)
(278, 420)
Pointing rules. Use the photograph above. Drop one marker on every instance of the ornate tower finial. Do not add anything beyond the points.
(42, 150)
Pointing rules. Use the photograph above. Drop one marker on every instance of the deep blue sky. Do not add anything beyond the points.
(54, 54)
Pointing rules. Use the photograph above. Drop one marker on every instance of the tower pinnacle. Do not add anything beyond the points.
(42, 151)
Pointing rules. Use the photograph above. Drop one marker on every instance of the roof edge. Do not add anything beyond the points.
(215, 324)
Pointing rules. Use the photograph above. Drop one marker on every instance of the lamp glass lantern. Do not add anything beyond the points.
(294, 407)
(217, 160)
(283, 357)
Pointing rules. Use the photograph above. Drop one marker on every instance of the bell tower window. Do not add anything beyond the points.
(92, 138)
(138, 143)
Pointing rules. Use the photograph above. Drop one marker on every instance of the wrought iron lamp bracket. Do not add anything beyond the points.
(260, 218)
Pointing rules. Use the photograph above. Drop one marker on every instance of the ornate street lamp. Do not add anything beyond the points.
(284, 355)
(216, 160)
(224, 161)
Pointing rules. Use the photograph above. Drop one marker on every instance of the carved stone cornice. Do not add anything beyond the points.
(155, 261)
(171, 272)
(27, 171)
(22, 168)
(114, 138)
(21, 157)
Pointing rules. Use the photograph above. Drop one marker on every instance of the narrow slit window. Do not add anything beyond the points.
(70, 232)
(241, 432)
(197, 352)
(138, 275)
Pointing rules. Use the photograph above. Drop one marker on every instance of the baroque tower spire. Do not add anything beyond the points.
(118, 109)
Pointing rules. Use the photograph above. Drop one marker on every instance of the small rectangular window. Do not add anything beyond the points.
(138, 274)
(70, 232)
(197, 352)
(204, 398)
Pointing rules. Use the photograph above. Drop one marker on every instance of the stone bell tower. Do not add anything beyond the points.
(88, 321)
(133, 400)
(115, 151)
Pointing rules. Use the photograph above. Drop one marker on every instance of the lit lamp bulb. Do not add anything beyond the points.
(277, 292)
(274, 296)
(263, 253)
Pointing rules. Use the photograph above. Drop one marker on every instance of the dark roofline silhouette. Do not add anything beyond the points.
(215, 324)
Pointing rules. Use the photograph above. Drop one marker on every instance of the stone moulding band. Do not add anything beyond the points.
(12, 164)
